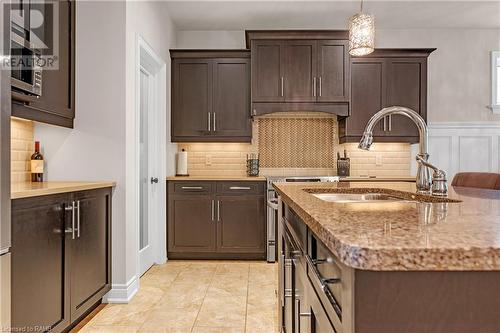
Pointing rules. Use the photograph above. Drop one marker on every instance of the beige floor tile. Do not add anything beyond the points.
(217, 311)
(109, 329)
(169, 318)
(260, 319)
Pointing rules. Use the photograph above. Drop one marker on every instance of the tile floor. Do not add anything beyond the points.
(197, 297)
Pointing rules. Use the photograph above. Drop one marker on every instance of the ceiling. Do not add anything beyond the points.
(240, 15)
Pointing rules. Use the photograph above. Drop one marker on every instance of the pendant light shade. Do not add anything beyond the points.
(361, 34)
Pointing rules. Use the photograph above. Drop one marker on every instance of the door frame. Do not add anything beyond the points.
(147, 58)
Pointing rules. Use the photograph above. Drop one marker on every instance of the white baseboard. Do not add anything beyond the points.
(122, 293)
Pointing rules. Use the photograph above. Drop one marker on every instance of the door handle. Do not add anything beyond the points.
(314, 86)
(154, 180)
(78, 219)
(72, 229)
(320, 86)
(214, 122)
(282, 88)
(213, 210)
(209, 121)
(390, 123)
(192, 187)
(218, 211)
(240, 188)
(385, 124)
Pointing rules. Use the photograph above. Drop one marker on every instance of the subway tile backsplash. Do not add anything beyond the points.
(229, 159)
(22, 144)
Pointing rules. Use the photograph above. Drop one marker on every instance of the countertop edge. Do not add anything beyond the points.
(215, 178)
(379, 259)
(65, 187)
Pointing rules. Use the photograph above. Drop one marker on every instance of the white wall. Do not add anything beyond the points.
(97, 148)
(459, 70)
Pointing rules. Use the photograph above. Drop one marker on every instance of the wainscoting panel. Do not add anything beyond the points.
(461, 147)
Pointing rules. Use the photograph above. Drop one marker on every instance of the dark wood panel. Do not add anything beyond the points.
(231, 109)
(191, 187)
(267, 71)
(191, 97)
(40, 280)
(56, 105)
(340, 109)
(333, 71)
(199, 53)
(367, 95)
(299, 72)
(427, 302)
(241, 224)
(190, 224)
(259, 35)
(241, 187)
(90, 251)
(406, 87)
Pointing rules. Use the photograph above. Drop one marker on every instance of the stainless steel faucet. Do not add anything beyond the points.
(423, 173)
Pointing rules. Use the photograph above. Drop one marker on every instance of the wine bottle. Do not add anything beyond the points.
(37, 164)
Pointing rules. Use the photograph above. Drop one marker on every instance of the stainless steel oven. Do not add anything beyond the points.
(25, 66)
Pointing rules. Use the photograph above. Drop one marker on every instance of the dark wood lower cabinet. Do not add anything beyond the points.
(216, 220)
(60, 267)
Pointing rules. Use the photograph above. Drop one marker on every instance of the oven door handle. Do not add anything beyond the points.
(273, 204)
(24, 98)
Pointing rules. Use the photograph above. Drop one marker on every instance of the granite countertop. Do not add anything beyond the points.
(377, 179)
(403, 236)
(29, 189)
(214, 178)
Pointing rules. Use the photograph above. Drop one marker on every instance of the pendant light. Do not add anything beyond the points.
(361, 33)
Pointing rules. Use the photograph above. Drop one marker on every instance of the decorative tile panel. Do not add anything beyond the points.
(22, 145)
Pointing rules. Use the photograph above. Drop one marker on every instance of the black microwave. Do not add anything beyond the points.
(26, 74)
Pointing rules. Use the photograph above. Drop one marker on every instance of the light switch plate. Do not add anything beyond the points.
(378, 160)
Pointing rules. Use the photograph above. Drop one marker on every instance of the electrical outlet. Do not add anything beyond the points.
(378, 160)
(208, 160)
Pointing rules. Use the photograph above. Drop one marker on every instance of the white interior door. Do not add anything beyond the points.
(148, 173)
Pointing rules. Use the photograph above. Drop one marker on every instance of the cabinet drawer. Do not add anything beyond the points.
(191, 187)
(242, 187)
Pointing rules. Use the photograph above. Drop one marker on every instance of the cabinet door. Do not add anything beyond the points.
(191, 223)
(406, 87)
(56, 104)
(241, 224)
(333, 71)
(40, 281)
(231, 109)
(90, 250)
(267, 85)
(367, 96)
(192, 98)
(299, 74)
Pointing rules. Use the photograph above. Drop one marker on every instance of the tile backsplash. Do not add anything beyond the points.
(22, 143)
(288, 144)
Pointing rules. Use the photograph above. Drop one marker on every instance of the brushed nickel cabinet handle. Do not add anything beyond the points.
(390, 123)
(240, 188)
(218, 211)
(314, 86)
(385, 124)
(78, 219)
(213, 210)
(192, 187)
(214, 121)
(282, 88)
(320, 86)
(72, 209)
(209, 121)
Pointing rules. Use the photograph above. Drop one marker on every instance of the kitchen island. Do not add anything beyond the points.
(405, 263)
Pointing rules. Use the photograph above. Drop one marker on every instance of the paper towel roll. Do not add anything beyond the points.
(182, 163)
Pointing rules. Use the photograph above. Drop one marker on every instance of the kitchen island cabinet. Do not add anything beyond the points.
(61, 257)
(419, 264)
(216, 219)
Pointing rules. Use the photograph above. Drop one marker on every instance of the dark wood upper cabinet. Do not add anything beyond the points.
(299, 70)
(387, 77)
(211, 96)
(299, 73)
(267, 71)
(56, 105)
(58, 274)
(333, 71)
(192, 97)
(216, 220)
(231, 109)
